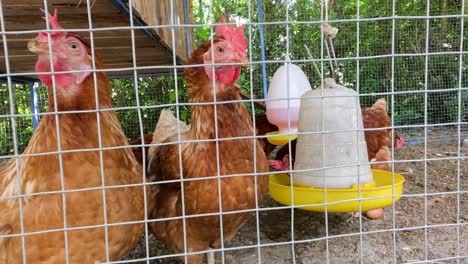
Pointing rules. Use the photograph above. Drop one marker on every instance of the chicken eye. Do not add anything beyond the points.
(73, 45)
(219, 49)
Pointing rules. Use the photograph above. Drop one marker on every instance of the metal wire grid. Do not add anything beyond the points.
(358, 59)
(442, 97)
(150, 97)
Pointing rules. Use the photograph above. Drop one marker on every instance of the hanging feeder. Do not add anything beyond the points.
(333, 167)
(333, 108)
(279, 109)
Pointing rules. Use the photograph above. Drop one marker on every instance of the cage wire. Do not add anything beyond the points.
(414, 54)
(409, 112)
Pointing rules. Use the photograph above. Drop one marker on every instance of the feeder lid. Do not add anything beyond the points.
(288, 82)
(329, 83)
(330, 87)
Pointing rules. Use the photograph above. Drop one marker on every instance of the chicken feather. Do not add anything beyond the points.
(165, 128)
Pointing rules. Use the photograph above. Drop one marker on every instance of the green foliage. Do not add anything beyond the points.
(154, 94)
(23, 124)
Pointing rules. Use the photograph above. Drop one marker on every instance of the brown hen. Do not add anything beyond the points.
(379, 141)
(199, 159)
(85, 211)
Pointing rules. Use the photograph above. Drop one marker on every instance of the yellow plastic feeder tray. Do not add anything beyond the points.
(340, 200)
(278, 139)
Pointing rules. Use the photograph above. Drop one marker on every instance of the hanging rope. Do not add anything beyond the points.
(329, 33)
(313, 62)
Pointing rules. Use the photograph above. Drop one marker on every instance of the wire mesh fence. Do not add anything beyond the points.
(414, 54)
(374, 35)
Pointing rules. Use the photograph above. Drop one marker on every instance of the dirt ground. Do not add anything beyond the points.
(379, 243)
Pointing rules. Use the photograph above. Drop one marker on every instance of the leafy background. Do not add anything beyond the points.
(426, 61)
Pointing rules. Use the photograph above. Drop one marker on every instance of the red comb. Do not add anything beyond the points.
(235, 36)
(53, 19)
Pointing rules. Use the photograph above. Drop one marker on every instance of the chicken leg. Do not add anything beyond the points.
(210, 257)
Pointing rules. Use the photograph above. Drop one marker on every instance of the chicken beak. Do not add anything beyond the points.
(246, 62)
(38, 47)
(241, 58)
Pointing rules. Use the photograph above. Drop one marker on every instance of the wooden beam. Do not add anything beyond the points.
(114, 46)
(104, 42)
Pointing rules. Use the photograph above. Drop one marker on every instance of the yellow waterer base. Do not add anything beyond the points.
(278, 139)
(378, 194)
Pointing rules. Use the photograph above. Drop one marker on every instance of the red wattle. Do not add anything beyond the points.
(62, 80)
(229, 74)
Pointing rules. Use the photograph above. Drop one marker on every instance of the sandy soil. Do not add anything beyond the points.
(399, 237)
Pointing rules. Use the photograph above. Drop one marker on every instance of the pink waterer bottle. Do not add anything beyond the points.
(283, 105)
